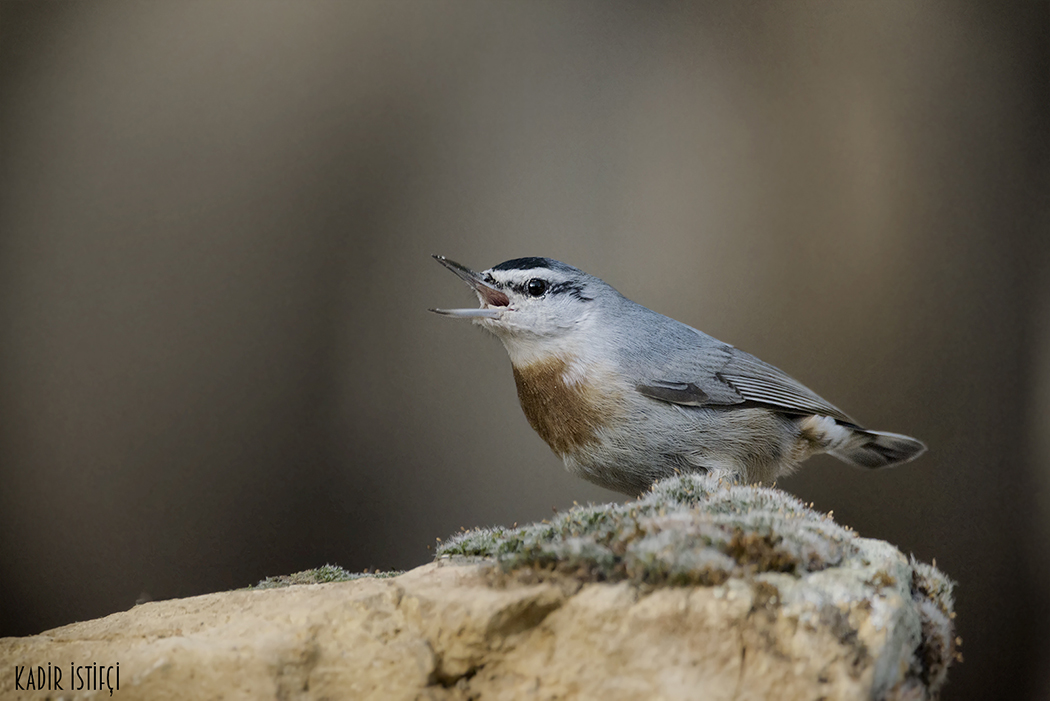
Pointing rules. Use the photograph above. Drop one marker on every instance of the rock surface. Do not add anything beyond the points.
(866, 624)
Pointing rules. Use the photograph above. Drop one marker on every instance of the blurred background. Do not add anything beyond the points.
(216, 221)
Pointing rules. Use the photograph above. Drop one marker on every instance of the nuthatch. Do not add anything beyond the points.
(626, 396)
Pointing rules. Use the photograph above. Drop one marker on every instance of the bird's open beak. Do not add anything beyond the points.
(489, 296)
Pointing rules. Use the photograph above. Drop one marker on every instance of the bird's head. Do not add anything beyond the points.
(536, 306)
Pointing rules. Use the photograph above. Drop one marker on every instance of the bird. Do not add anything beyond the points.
(626, 396)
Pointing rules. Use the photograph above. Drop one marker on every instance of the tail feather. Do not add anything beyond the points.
(875, 449)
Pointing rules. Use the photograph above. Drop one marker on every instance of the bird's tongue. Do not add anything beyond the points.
(490, 295)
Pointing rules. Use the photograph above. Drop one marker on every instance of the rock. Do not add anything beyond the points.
(700, 590)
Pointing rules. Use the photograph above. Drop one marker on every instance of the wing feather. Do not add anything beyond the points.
(761, 382)
(743, 378)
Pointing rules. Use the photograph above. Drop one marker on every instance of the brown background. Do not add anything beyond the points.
(215, 226)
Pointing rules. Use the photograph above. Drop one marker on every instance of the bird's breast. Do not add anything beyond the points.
(566, 405)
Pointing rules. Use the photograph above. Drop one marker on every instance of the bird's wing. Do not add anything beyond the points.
(738, 379)
(761, 382)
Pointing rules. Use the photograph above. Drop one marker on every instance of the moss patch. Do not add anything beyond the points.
(691, 529)
(932, 592)
(321, 575)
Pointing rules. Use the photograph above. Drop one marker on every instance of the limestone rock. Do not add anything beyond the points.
(814, 612)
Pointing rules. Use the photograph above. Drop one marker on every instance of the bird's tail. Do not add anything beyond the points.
(875, 449)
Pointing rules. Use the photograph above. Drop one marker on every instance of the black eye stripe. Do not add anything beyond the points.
(518, 287)
(568, 287)
(571, 287)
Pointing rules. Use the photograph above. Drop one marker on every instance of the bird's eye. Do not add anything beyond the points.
(536, 287)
